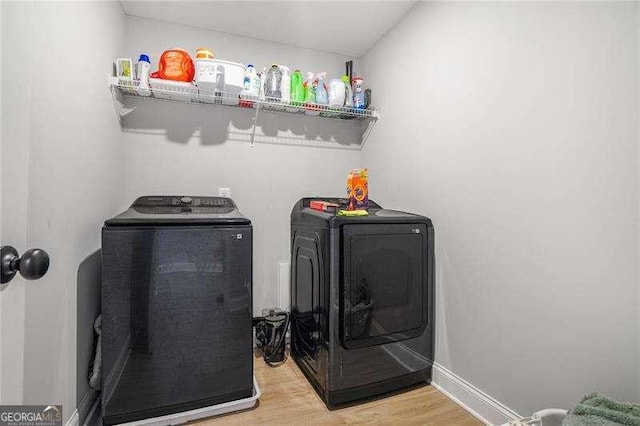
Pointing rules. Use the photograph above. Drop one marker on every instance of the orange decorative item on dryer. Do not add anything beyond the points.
(358, 189)
(176, 65)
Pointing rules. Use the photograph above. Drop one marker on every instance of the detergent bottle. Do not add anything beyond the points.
(250, 84)
(272, 89)
(348, 97)
(322, 95)
(310, 107)
(175, 65)
(144, 67)
(336, 93)
(358, 189)
(297, 88)
(309, 90)
(358, 92)
(285, 84)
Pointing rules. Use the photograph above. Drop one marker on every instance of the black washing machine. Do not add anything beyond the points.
(176, 307)
(362, 300)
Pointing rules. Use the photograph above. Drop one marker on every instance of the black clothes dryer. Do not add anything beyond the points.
(176, 307)
(362, 300)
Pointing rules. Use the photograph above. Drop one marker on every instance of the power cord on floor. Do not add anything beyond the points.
(271, 332)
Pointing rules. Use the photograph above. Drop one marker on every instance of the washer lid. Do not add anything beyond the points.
(180, 210)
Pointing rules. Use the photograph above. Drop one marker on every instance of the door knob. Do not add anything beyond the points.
(32, 265)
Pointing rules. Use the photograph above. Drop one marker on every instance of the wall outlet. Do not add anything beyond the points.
(224, 192)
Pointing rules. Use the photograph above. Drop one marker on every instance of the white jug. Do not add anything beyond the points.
(337, 92)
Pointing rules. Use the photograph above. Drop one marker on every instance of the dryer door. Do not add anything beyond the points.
(384, 283)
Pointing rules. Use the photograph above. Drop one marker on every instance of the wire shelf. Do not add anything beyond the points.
(203, 94)
(188, 92)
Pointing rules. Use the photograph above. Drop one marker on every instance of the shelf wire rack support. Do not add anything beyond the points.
(192, 94)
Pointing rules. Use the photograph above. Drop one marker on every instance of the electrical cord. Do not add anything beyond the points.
(268, 357)
(270, 347)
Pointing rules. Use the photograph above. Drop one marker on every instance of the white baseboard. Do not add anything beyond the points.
(479, 404)
(482, 406)
(73, 420)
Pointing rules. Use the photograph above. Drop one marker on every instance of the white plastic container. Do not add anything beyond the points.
(175, 90)
(250, 87)
(548, 417)
(208, 76)
(285, 84)
(263, 78)
(337, 93)
(219, 78)
(144, 67)
(124, 72)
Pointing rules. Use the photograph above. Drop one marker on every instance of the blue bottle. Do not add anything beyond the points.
(359, 100)
(322, 96)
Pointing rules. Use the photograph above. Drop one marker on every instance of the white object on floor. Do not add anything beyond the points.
(200, 413)
(548, 417)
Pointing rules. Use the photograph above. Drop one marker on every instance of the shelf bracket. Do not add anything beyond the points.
(255, 123)
(118, 99)
(367, 132)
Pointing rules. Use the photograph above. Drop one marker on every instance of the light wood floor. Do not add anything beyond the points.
(288, 398)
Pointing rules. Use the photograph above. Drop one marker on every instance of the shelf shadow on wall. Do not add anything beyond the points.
(179, 122)
(299, 129)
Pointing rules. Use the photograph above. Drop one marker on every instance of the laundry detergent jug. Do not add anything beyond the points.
(348, 93)
(285, 84)
(272, 89)
(296, 91)
(337, 92)
(322, 96)
(176, 65)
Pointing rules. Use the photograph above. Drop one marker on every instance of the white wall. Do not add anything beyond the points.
(74, 151)
(1, 121)
(514, 126)
(194, 149)
(14, 161)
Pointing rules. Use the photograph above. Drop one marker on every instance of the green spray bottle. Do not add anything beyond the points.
(310, 107)
(297, 88)
(309, 90)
